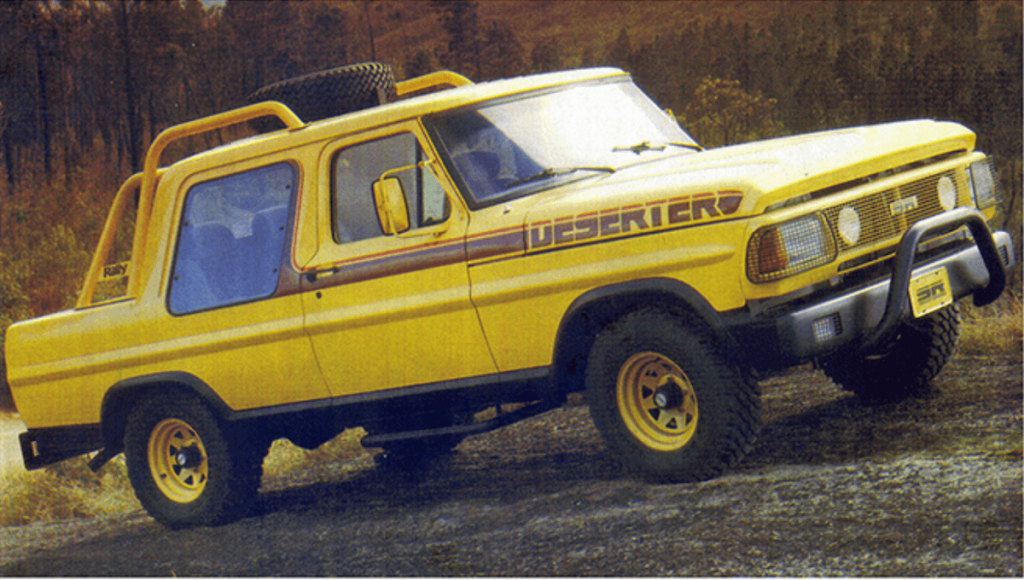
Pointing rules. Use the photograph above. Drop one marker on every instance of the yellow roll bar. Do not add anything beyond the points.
(172, 134)
(102, 254)
(434, 80)
(147, 180)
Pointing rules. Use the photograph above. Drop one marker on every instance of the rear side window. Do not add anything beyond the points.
(232, 239)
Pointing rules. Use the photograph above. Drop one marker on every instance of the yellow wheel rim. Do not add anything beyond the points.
(657, 401)
(177, 460)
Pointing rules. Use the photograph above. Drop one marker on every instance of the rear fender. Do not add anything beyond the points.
(124, 395)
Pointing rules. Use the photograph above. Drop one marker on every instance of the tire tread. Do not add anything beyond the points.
(737, 390)
(917, 356)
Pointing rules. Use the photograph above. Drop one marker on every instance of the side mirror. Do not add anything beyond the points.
(392, 210)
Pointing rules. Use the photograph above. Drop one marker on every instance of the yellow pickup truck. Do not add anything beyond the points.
(405, 256)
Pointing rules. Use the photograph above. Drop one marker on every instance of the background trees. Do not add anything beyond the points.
(85, 85)
(721, 112)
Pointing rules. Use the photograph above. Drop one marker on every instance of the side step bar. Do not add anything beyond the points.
(502, 420)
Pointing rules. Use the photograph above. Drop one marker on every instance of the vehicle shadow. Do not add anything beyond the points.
(517, 463)
(849, 429)
(808, 421)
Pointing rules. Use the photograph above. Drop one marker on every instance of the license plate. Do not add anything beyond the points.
(930, 292)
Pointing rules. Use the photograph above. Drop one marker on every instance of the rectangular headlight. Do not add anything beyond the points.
(782, 250)
(983, 181)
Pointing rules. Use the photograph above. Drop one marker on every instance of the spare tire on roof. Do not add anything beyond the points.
(332, 92)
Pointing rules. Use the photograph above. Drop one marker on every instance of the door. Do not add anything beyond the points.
(388, 310)
(235, 322)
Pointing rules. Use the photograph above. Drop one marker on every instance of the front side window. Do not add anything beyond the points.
(232, 239)
(356, 168)
(516, 147)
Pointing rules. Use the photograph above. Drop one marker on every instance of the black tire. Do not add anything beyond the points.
(186, 468)
(916, 355)
(668, 404)
(333, 92)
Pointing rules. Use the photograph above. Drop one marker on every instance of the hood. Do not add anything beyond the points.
(736, 181)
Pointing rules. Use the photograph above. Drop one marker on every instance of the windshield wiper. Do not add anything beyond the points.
(648, 146)
(555, 172)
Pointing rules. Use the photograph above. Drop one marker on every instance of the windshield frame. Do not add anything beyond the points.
(564, 174)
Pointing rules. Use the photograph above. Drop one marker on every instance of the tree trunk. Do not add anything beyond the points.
(43, 107)
(134, 137)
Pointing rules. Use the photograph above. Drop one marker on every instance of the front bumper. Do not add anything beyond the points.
(867, 317)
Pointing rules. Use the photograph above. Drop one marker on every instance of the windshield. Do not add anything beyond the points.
(517, 147)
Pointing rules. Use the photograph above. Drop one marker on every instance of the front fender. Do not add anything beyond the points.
(597, 308)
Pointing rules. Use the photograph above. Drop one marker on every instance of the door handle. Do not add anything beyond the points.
(315, 275)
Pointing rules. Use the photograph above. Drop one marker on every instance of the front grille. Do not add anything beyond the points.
(889, 213)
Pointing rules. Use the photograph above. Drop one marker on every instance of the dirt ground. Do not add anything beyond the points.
(928, 487)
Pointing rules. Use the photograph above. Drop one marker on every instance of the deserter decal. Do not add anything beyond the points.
(634, 218)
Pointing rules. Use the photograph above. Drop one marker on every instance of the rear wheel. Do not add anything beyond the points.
(185, 467)
(915, 356)
(666, 402)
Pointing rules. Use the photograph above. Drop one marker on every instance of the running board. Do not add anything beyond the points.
(503, 420)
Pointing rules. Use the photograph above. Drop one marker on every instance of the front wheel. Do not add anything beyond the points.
(184, 468)
(667, 403)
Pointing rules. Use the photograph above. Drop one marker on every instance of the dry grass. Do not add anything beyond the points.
(66, 490)
(994, 329)
(287, 464)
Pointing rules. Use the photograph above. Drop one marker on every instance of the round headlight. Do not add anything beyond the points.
(947, 193)
(849, 226)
